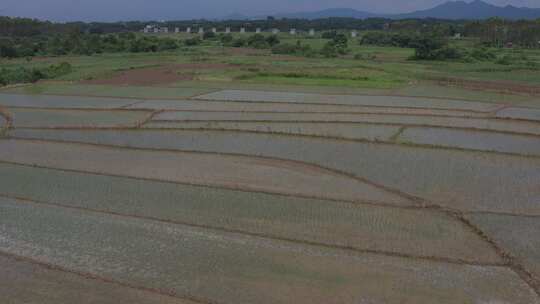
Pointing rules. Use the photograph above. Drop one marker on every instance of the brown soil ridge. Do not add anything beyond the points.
(156, 75)
(504, 87)
(9, 121)
(348, 248)
(229, 171)
(91, 276)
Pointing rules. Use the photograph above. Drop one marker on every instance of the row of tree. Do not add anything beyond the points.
(78, 43)
(499, 32)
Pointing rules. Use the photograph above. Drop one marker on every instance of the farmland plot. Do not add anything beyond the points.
(484, 141)
(411, 120)
(363, 227)
(47, 118)
(233, 268)
(49, 101)
(386, 101)
(232, 106)
(520, 113)
(3, 122)
(517, 235)
(236, 172)
(486, 182)
(267, 197)
(340, 130)
(25, 282)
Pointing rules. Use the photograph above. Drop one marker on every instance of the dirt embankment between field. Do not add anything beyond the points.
(157, 75)
(496, 86)
(5, 121)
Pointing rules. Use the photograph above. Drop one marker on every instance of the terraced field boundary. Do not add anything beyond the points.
(396, 138)
(504, 255)
(100, 279)
(508, 260)
(5, 115)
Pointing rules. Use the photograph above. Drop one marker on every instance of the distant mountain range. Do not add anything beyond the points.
(450, 10)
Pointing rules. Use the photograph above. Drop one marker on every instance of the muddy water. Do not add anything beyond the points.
(350, 131)
(456, 179)
(326, 222)
(49, 101)
(236, 172)
(520, 113)
(233, 268)
(392, 101)
(416, 120)
(484, 141)
(202, 105)
(515, 234)
(26, 282)
(76, 118)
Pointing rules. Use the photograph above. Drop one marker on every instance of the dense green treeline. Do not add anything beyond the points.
(79, 43)
(20, 37)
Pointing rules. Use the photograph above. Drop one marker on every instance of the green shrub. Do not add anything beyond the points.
(434, 48)
(505, 60)
(329, 35)
(209, 35)
(25, 75)
(226, 39)
(258, 41)
(272, 40)
(293, 49)
(338, 46)
(167, 44)
(483, 54)
(240, 42)
(192, 41)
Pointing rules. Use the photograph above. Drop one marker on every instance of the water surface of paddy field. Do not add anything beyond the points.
(389, 101)
(517, 235)
(3, 122)
(109, 91)
(235, 268)
(363, 227)
(350, 131)
(486, 182)
(414, 120)
(246, 106)
(50, 101)
(483, 141)
(56, 118)
(520, 113)
(236, 172)
(24, 282)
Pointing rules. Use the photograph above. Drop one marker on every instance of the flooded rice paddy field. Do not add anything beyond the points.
(56, 118)
(250, 196)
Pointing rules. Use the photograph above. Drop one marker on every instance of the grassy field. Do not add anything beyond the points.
(378, 70)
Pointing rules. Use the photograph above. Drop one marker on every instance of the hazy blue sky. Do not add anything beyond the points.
(113, 10)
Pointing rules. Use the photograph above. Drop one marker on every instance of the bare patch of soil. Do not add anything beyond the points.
(156, 75)
(245, 51)
(498, 86)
